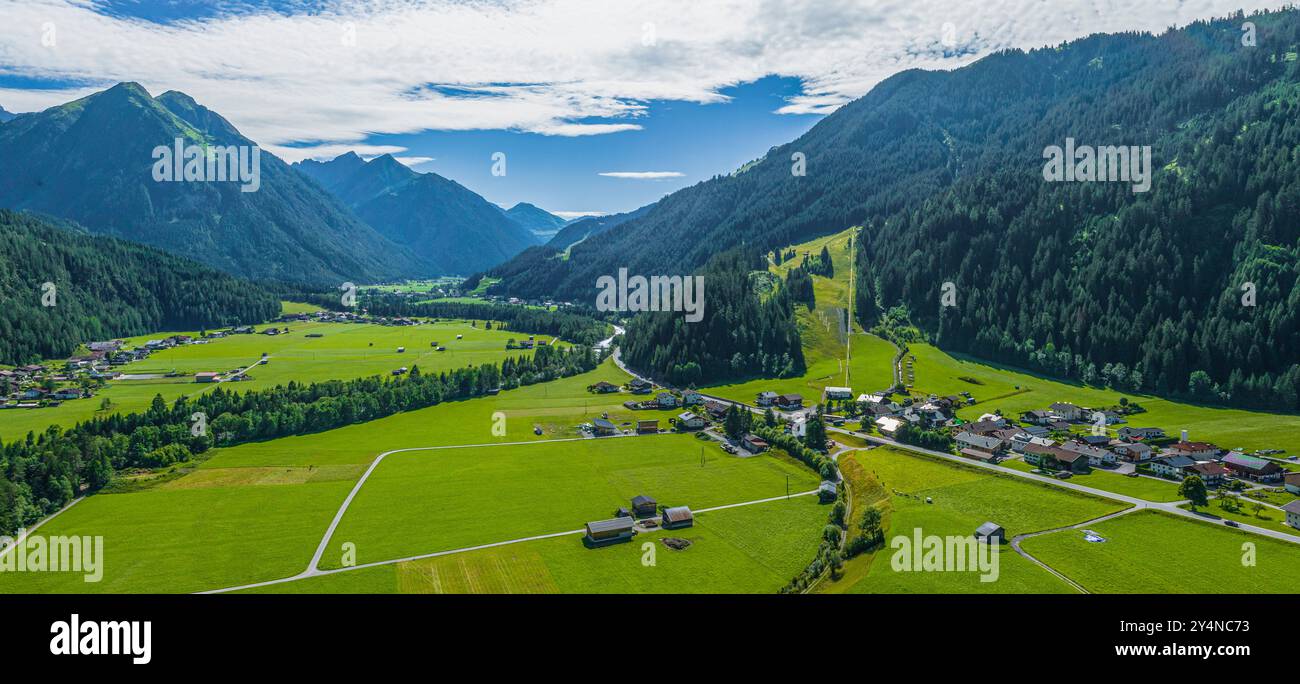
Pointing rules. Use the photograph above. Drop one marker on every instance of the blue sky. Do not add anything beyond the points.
(567, 89)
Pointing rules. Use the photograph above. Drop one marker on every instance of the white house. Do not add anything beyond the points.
(888, 426)
(690, 421)
(1293, 513)
(838, 393)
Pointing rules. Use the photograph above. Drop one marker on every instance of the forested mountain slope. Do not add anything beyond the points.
(105, 288)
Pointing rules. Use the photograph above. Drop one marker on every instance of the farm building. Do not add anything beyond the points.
(991, 533)
(1292, 482)
(603, 532)
(647, 427)
(753, 443)
(644, 506)
(207, 377)
(677, 516)
(1257, 469)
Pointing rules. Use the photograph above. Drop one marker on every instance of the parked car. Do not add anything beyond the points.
(1232, 523)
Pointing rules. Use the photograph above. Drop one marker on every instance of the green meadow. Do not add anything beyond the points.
(1148, 552)
(1148, 488)
(961, 498)
(555, 408)
(427, 501)
(1013, 391)
(342, 351)
(750, 549)
(869, 366)
(191, 538)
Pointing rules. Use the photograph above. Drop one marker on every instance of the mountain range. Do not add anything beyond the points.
(5, 115)
(440, 221)
(541, 223)
(92, 161)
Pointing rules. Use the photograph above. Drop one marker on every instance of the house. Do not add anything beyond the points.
(675, 517)
(832, 419)
(603, 387)
(1195, 450)
(66, 393)
(991, 533)
(32, 393)
(837, 393)
(1171, 466)
(1132, 434)
(799, 427)
(644, 506)
(1093, 440)
(1022, 441)
(604, 532)
(765, 398)
(639, 386)
(978, 455)
(1055, 457)
(1066, 410)
(689, 421)
(986, 444)
(753, 443)
(207, 377)
(827, 491)
(1096, 456)
(789, 401)
(666, 400)
(109, 346)
(1292, 482)
(1258, 469)
(1293, 513)
(691, 397)
(1135, 452)
(985, 427)
(647, 427)
(1036, 417)
(716, 409)
(888, 426)
(603, 427)
(1211, 473)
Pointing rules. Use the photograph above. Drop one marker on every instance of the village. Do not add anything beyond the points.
(1061, 440)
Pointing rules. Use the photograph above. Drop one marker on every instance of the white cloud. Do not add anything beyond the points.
(337, 72)
(413, 161)
(641, 175)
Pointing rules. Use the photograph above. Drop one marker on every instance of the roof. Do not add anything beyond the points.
(602, 423)
(842, 390)
(614, 525)
(1249, 462)
(1293, 507)
(687, 416)
(1209, 469)
(647, 423)
(755, 439)
(1177, 461)
(678, 514)
(642, 500)
(1194, 446)
(989, 528)
(1291, 478)
(791, 397)
(887, 423)
(979, 440)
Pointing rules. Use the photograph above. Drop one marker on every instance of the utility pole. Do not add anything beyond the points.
(787, 486)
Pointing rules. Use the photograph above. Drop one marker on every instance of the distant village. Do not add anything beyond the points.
(81, 376)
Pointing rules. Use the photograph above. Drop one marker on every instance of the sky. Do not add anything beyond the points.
(598, 106)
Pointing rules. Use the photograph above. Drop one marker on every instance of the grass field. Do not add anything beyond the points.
(962, 498)
(1012, 391)
(869, 367)
(1150, 552)
(751, 549)
(1147, 488)
(1267, 517)
(343, 351)
(183, 539)
(556, 407)
(428, 501)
